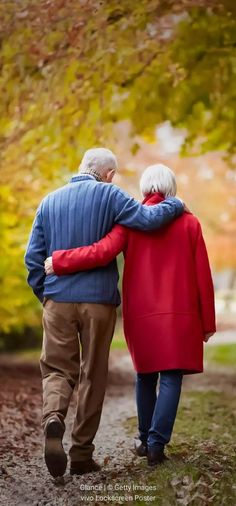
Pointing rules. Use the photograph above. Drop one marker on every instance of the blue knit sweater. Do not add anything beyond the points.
(79, 214)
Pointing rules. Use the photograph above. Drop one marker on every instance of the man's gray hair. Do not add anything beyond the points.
(97, 162)
(158, 178)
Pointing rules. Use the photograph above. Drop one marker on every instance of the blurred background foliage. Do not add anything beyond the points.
(79, 73)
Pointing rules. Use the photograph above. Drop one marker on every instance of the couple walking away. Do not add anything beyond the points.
(168, 303)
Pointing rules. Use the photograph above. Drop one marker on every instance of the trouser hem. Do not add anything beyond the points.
(54, 416)
(156, 446)
(143, 440)
(81, 458)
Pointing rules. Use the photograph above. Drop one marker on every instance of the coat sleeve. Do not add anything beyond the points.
(205, 284)
(35, 255)
(129, 212)
(97, 254)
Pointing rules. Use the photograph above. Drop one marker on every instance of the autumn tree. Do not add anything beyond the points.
(72, 69)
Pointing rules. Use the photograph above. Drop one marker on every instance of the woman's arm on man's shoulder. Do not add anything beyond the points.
(97, 254)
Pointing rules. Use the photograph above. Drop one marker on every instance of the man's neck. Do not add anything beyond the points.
(92, 172)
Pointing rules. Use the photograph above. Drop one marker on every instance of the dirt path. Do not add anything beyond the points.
(24, 479)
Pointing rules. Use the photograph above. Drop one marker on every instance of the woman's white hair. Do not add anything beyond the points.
(158, 178)
(98, 161)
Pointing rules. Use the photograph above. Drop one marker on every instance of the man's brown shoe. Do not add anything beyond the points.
(54, 454)
(85, 466)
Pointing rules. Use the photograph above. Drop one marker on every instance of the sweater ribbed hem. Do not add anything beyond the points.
(93, 300)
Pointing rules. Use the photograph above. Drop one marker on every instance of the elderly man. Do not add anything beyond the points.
(79, 310)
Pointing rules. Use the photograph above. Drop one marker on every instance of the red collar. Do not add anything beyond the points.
(153, 198)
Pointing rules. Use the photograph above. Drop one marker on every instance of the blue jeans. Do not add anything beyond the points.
(157, 413)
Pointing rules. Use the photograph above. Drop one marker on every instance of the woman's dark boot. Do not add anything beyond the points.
(140, 448)
(156, 457)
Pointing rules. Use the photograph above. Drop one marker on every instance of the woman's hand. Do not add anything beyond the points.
(48, 266)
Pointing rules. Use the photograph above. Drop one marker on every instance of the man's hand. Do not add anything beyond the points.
(207, 336)
(48, 266)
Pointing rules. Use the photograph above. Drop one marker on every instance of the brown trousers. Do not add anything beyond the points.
(76, 344)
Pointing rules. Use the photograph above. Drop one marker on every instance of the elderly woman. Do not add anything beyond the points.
(168, 306)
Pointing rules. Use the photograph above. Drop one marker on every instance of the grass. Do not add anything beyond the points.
(118, 344)
(29, 355)
(118, 341)
(222, 354)
(202, 469)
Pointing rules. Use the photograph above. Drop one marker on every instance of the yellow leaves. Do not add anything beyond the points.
(71, 70)
(8, 51)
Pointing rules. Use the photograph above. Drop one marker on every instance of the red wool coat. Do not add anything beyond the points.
(168, 296)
